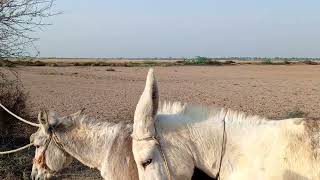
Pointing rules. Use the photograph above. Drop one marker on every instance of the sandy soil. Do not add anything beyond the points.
(266, 90)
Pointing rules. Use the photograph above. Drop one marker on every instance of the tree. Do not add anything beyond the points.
(18, 19)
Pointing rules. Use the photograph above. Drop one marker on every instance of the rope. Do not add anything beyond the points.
(16, 150)
(19, 118)
(23, 120)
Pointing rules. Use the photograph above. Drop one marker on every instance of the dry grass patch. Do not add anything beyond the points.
(296, 113)
(110, 69)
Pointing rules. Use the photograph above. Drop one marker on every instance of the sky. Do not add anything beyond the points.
(182, 28)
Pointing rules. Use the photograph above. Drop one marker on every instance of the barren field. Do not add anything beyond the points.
(266, 90)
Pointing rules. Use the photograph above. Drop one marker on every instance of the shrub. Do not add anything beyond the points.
(216, 63)
(230, 62)
(201, 60)
(6, 63)
(286, 62)
(267, 61)
(197, 60)
(310, 62)
(38, 63)
(12, 96)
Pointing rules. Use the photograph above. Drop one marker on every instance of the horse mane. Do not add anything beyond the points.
(92, 123)
(201, 112)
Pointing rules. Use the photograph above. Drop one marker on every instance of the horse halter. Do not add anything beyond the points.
(42, 158)
(156, 139)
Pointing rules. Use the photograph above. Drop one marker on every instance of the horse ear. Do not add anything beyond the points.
(50, 120)
(77, 113)
(59, 123)
(147, 108)
(43, 119)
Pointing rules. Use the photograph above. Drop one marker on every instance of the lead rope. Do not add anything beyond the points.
(16, 150)
(18, 117)
(223, 144)
(23, 120)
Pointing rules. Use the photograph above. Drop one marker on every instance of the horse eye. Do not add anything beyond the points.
(146, 163)
(37, 146)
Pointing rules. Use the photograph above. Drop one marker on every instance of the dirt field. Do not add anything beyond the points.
(266, 90)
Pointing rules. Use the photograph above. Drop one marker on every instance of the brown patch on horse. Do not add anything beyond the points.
(40, 161)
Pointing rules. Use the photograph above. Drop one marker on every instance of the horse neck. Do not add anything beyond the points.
(199, 134)
(92, 143)
(200, 137)
(225, 134)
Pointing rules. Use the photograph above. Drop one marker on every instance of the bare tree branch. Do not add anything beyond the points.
(18, 19)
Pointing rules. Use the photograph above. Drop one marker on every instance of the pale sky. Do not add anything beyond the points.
(183, 28)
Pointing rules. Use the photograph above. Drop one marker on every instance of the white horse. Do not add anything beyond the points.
(102, 145)
(170, 141)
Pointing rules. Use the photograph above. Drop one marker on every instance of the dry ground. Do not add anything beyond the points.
(270, 91)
